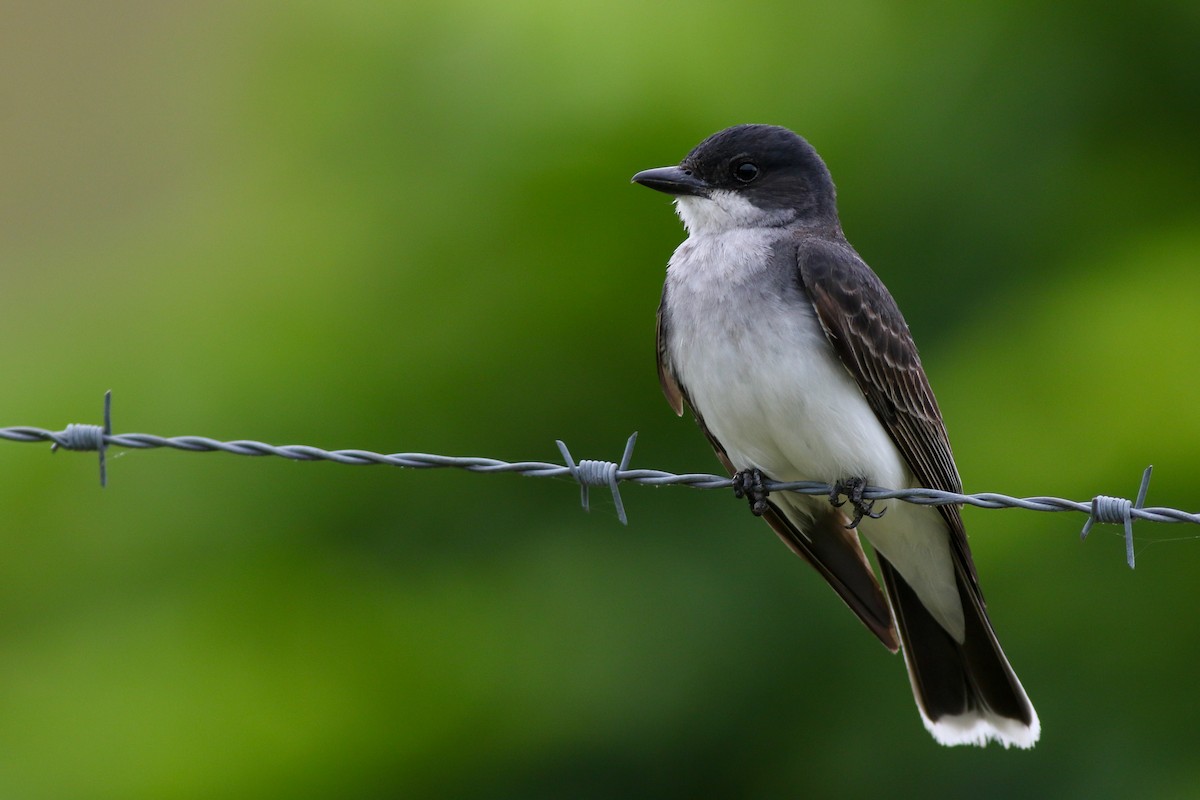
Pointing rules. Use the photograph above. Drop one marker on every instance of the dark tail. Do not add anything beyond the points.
(967, 693)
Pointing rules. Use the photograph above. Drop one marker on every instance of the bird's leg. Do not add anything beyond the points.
(853, 489)
(748, 483)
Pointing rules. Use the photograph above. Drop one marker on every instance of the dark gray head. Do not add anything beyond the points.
(748, 176)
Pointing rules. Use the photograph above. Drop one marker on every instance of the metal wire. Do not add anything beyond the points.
(1101, 509)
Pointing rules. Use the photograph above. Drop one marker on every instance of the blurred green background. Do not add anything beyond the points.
(409, 227)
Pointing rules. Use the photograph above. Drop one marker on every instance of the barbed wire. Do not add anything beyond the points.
(590, 473)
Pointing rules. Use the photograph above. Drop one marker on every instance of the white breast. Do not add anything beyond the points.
(760, 371)
(749, 350)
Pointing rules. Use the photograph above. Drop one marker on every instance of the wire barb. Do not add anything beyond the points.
(77, 436)
(1117, 511)
(590, 473)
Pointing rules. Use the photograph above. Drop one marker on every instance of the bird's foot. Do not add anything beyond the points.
(748, 483)
(853, 489)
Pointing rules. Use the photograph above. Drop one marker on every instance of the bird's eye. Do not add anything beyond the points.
(745, 171)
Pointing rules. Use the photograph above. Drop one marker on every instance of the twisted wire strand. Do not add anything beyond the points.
(588, 473)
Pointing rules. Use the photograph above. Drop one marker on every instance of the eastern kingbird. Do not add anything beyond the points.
(798, 365)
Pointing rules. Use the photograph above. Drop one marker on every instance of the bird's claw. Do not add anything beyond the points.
(853, 489)
(748, 483)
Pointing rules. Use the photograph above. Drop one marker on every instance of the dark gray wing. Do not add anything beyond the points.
(867, 330)
(870, 336)
(828, 545)
(666, 376)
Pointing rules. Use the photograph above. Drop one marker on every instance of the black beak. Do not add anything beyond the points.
(673, 180)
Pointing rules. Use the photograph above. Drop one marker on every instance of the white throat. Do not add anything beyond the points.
(723, 211)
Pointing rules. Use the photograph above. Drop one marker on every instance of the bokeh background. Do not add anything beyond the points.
(409, 227)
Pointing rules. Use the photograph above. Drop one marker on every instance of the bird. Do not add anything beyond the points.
(797, 364)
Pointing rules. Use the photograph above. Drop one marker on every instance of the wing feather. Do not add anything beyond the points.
(666, 376)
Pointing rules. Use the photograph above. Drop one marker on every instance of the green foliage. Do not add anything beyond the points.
(408, 227)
